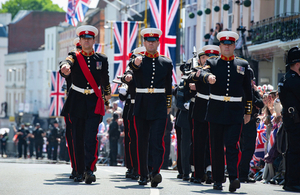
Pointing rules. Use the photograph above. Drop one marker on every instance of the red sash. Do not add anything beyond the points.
(89, 77)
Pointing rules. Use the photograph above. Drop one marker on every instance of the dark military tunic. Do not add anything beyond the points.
(289, 94)
(150, 110)
(79, 104)
(155, 71)
(232, 80)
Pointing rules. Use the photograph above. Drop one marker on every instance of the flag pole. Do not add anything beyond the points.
(140, 41)
(180, 22)
(111, 36)
(145, 19)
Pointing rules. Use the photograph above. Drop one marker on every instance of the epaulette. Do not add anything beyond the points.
(211, 57)
(166, 57)
(103, 54)
(206, 67)
(241, 59)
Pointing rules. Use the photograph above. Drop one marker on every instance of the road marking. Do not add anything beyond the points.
(154, 191)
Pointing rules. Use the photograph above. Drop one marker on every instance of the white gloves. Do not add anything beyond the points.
(186, 105)
(122, 90)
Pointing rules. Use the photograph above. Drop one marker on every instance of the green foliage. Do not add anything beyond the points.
(14, 6)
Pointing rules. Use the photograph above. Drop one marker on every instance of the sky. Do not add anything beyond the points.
(62, 3)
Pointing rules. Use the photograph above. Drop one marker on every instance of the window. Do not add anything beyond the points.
(15, 75)
(252, 10)
(194, 36)
(52, 41)
(40, 68)
(48, 42)
(188, 42)
(230, 15)
(23, 74)
(31, 70)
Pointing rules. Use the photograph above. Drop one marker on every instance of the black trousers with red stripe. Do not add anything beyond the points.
(128, 162)
(178, 136)
(229, 136)
(150, 139)
(133, 146)
(200, 143)
(69, 140)
(84, 132)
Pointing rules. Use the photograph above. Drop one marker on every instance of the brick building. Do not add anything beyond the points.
(26, 31)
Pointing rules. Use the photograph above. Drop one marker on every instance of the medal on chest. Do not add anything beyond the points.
(98, 65)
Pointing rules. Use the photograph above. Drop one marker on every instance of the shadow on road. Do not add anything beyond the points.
(63, 179)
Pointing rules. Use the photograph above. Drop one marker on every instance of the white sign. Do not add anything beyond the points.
(21, 107)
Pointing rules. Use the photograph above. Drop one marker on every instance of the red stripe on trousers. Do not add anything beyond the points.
(210, 149)
(163, 145)
(137, 148)
(131, 161)
(240, 152)
(72, 144)
(96, 150)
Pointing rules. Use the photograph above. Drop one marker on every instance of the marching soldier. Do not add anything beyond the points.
(248, 136)
(182, 121)
(201, 154)
(229, 79)
(127, 92)
(289, 94)
(153, 79)
(69, 139)
(85, 106)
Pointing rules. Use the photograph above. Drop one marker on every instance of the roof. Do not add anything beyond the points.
(20, 15)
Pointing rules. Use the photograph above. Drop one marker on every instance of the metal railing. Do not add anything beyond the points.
(284, 27)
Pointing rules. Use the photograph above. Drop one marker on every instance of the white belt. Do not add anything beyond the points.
(192, 99)
(81, 90)
(225, 98)
(150, 90)
(132, 101)
(206, 97)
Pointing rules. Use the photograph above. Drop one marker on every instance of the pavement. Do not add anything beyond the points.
(35, 177)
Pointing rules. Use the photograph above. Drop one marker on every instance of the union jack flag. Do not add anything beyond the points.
(98, 48)
(273, 134)
(259, 154)
(76, 11)
(57, 95)
(261, 139)
(164, 15)
(125, 35)
(261, 134)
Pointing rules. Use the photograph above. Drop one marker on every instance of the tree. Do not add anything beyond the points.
(14, 6)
